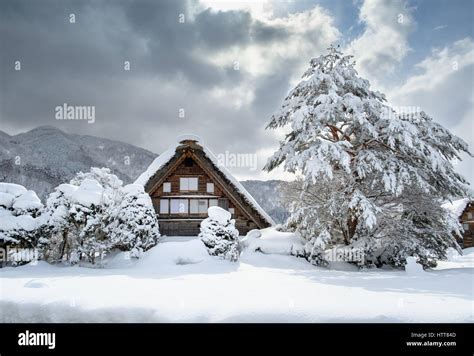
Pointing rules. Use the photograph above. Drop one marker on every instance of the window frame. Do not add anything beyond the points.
(185, 186)
(176, 210)
(210, 184)
(167, 206)
(191, 201)
(206, 201)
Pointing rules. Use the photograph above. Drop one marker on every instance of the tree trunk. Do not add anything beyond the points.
(351, 227)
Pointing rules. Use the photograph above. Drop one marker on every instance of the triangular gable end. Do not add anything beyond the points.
(188, 147)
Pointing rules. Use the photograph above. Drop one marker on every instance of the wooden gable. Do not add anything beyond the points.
(467, 221)
(190, 160)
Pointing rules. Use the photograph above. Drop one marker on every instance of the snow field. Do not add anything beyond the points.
(180, 282)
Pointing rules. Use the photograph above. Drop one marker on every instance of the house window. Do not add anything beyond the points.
(193, 206)
(465, 227)
(210, 187)
(186, 183)
(179, 206)
(212, 202)
(164, 206)
(224, 203)
(202, 206)
(469, 215)
(232, 211)
(167, 187)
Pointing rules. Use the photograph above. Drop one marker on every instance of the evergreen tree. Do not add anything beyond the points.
(371, 165)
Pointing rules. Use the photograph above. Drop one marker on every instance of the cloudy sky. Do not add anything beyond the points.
(226, 65)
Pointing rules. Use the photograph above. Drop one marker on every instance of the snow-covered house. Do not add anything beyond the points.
(464, 210)
(186, 180)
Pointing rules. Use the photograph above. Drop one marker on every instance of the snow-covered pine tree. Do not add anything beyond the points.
(219, 234)
(344, 139)
(133, 225)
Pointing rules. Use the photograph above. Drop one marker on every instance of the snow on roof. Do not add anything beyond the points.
(156, 165)
(457, 207)
(237, 185)
(166, 156)
(188, 137)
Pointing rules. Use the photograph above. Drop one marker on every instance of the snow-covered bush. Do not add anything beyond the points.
(133, 224)
(20, 221)
(19, 200)
(273, 241)
(315, 248)
(219, 234)
(76, 216)
(371, 178)
(110, 183)
(93, 215)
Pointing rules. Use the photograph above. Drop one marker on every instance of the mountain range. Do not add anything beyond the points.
(44, 157)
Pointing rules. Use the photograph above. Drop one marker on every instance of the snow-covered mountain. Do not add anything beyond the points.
(45, 157)
(269, 195)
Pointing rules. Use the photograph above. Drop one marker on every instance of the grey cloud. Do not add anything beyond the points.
(171, 68)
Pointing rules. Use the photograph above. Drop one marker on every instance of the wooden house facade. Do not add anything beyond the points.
(467, 221)
(186, 180)
(463, 209)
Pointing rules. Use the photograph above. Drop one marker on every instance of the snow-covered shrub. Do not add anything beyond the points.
(133, 224)
(272, 241)
(19, 200)
(372, 178)
(110, 183)
(20, 221)
(315, 247)
(76, 216)
(219, 234)
(95, 214)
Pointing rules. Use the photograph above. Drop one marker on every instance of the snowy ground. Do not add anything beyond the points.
(177, 281)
